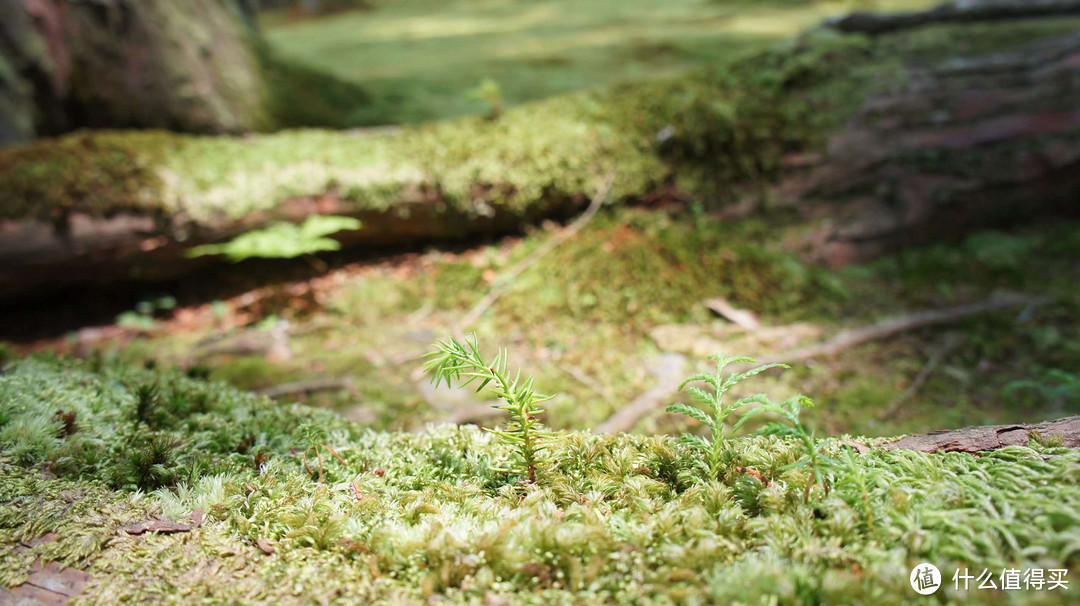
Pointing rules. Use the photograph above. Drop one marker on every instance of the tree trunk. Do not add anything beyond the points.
(190, 66)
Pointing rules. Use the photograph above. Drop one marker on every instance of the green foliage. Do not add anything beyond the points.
(1057, 387)
(491, 94)
(312, 438)
(717, 412)
(524, 432)
(791, 427)
(282, 240)
(142, 317)
(149, 465)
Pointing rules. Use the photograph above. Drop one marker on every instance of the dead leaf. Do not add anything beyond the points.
(166, 526)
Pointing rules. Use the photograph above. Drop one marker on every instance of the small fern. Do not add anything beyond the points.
(715, 418)
(452, 360)
(283, 240)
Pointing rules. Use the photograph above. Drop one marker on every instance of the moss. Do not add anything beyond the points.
(719, 132)
(620, 519)
(714, 128)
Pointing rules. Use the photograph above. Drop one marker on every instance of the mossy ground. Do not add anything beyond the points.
(590, 318)
(622, 519)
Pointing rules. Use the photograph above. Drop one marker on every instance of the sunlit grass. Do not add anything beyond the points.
(418, 58)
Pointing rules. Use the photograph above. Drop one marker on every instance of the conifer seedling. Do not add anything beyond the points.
(453, 360)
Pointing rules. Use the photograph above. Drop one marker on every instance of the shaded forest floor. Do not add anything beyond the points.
(144, 463)
(619, 309)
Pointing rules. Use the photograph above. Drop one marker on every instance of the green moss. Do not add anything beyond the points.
(720, 132)
(714, 128)
(620, 518)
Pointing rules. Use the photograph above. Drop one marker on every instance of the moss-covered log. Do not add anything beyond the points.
(959, 11)
(120, 205)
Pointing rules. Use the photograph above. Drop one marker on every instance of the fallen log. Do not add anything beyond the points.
(959, 11)
(981, 438)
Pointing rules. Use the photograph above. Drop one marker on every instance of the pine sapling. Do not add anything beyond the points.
(453, 360)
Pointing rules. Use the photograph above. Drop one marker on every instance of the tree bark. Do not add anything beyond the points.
(189, 66)
(960, 11)
(963, 143)
(981, 438)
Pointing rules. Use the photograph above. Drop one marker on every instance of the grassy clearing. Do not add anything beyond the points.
(422, 60)
(620, 518)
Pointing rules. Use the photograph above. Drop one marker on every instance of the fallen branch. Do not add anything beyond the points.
(627, 417)
(503, 282)
(959, 11)
(920, 379)
(888, 328)
(740, 317)
(288, 389)
(980, 438)
(669, 377)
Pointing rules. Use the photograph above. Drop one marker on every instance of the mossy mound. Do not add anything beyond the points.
(713, 128)
(717, 132)
(620, 518)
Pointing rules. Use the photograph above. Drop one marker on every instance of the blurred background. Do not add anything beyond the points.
(300, 197)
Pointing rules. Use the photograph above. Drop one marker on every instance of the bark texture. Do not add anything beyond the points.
(991, 437)
(959, 144)
(189, 66)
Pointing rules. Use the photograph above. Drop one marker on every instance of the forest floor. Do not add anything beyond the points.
(119, 484)
(141, 467)
(600, 318)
